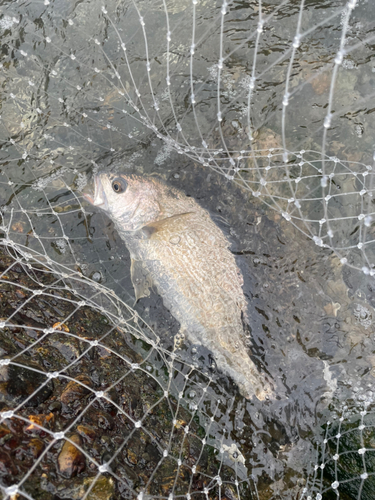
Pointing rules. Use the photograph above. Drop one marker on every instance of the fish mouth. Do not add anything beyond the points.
(88, 198)
(96, 198)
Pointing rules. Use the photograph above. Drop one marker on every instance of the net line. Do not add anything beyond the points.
(90, 345)
(299, 184)
(292, 211)
(328, 474)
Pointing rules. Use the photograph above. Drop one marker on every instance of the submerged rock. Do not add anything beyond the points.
(71, 460)
(25, 383)
(76, 389)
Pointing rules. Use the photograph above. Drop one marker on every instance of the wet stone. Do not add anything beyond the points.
(71, 461)
(103, 489)
(173, 477)
(7, 467)
(87, 432)
(3, 431)
(100, 427)
(55, 406)
(152, 453)
(35, 447)
(39, 424)
(132, 457)
(23, 382)
(76, 390)
(101, 419)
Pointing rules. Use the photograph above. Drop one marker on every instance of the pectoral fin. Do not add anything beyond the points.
(158, 229)
(141, 279)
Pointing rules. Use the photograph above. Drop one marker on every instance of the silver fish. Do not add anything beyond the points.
(175, 246)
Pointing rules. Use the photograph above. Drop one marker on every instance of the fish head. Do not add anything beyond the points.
(130, 201)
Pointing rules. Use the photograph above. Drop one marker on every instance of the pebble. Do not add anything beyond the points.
(39, 423)
(87, 432)
(22, 383)
(7, 466)
(71, 461)
(35, 447)
(103, 489)
(132, 457)
(74, 390)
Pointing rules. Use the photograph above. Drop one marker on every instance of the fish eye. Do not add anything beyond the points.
(119, 185)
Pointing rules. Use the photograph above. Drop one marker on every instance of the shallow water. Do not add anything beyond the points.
(311, 317)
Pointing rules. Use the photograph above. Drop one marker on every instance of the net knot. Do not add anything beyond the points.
(318, 241)
(11, 490)
(327, 120)
(7, 414)
(339, 57)
(297, 41)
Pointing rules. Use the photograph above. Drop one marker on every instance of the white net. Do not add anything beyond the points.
(263, 112)
(344, 463)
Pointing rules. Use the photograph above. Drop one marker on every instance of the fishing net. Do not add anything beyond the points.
(262, 111)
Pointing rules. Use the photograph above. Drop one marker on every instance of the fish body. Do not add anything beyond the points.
(176, 247)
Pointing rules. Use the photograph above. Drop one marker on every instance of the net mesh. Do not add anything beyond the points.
(263, 112)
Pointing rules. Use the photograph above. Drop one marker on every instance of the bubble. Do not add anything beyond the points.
(96, 276)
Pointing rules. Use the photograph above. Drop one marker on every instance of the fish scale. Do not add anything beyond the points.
(177, 248)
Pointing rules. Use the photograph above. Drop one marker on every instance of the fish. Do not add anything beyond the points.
(177, 248)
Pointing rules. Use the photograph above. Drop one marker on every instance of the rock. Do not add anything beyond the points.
(76, 489)
(71, 461)
(35, 447)
(39, 423)
(132, 457)
(22, 382)
(75, 390)
(152, 453)
(87, 432)
(103, 489)
(7, 466)
(55, 406)
(3, 430)
(101, 419)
